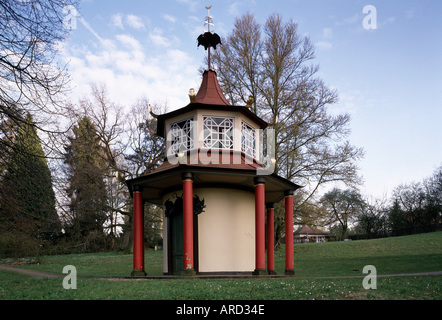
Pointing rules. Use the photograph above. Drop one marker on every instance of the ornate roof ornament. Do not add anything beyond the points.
(209, 39)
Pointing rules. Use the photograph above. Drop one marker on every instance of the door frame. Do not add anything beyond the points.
(170, 239)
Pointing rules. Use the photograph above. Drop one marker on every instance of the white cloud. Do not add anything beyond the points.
(129, 41)
(356, 18)
(234, 9)
(117, 21)
(134, 22)
(387, 21)
(191, 4)
(324, 45)
(351, 101)
(133, 45)
(327, 33)
(194, 25)
(410, 14)
(130, 71)
(157, 38)
(169, 18)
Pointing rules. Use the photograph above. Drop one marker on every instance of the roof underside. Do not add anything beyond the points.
(235, 175)
(199, 106)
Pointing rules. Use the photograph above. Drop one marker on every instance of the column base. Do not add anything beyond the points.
(138, 273)
(272, 272)
(260, 272)
(289, 272)
(188, 273)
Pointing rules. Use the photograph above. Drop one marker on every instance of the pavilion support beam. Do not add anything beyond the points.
(138, 233)
(289, 259)
(188, 266)
(260, 226)
(270, 239)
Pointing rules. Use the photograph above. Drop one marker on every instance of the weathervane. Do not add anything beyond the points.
(209, 19)
(209, 39)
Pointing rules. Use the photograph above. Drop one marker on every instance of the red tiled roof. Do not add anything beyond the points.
(240, 172)
(209, 97)
(201, 106)
(204, 158)
(307, 230)
(210, 91)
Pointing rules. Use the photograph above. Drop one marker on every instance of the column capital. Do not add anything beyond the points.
(187, 176)
(288, 193)
(270, 205)
(137, 188)
(259, 180)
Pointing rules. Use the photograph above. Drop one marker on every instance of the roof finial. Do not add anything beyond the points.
(209, 39)
(209, 19)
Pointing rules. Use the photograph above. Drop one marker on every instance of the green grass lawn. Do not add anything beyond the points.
(315, 266)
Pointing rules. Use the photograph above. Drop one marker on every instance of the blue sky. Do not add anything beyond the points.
(389, 78)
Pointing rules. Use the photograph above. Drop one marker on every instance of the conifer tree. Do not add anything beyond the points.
(86, 169)
(27, 199)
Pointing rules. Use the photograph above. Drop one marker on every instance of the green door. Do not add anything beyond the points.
(177, 242)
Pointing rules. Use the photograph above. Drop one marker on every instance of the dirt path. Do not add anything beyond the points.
(35, 274)
(433, 273)
(40, 275)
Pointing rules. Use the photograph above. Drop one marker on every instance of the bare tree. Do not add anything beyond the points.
(412, 200)
(146, 150)
(273, 64)
(420, 203)
(109, 120)
(128, 149)
(433, 191)
(240, 77)
(372, 220)
(343, 207)
(31, 82)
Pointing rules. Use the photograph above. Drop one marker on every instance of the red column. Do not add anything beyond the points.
(289, 259)
(270, 239)
(259, 226)
(188, 224)
(138, 229)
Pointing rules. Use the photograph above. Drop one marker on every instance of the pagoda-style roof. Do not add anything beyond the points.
(306, 230)
(206, 100)
(209, 97)
(210, 91)
(161, 119)
(238, 172)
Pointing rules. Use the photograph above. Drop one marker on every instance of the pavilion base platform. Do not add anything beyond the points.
(138, 273)
(224, 275)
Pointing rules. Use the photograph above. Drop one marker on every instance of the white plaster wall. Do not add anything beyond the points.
(226, 230)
